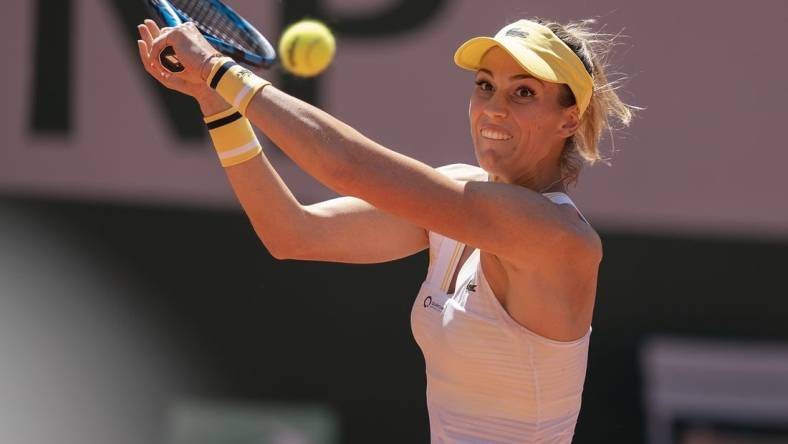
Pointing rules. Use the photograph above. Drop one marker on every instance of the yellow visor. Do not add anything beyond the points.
(539, 51)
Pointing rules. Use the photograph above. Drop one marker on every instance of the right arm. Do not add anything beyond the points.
(344, 229)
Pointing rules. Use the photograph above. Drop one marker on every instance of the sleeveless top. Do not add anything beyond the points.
(490, 379)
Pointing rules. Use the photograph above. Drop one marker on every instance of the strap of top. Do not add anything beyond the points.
(563, 199)
(442, 265)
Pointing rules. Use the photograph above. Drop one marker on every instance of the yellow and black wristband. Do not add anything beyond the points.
(233, 137)
(236, 84)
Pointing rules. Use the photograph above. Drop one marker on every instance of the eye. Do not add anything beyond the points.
(484, 85)
(524, 92)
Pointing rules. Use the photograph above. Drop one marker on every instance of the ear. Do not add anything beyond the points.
(571, 122)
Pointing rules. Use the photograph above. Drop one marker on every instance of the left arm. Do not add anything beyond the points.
(508, 221)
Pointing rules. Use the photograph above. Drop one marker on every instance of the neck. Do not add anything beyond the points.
(556, 186)
(540, 181)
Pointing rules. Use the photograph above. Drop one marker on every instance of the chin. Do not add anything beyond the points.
(489, 161)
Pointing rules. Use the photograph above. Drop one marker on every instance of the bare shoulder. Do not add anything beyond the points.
(553, 292)
(581, 240)
(464, 172)
(580, 243)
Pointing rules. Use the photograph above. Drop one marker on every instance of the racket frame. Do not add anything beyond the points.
(170, 16)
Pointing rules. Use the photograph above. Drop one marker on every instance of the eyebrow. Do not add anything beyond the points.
(514, 77)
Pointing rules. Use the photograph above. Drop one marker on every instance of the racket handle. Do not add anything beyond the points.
(169, 61)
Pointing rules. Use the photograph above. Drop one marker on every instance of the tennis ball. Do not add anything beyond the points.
(306, 48)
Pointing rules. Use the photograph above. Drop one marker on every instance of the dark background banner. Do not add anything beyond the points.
(138, 307)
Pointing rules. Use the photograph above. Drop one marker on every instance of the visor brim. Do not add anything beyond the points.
(469, 56)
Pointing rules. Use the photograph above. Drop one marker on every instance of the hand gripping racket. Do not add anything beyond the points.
(224, 29)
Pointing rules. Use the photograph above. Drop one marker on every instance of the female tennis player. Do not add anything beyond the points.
(504, 315)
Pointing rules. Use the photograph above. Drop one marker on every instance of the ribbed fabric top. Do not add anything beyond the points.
(490, 379)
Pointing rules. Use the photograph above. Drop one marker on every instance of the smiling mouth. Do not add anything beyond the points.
(494, 135)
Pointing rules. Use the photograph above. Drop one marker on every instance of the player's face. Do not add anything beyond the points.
(517, 123)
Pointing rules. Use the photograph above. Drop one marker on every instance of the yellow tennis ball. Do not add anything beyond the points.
(306, 48)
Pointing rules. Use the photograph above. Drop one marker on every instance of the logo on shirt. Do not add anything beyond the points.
(471, 286)
(429, 303)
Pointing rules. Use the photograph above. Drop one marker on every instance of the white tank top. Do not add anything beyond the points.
(489, 379)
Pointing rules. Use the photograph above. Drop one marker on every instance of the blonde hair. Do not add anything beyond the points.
(594, 50)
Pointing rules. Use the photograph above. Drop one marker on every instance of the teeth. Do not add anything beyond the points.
(496, 135)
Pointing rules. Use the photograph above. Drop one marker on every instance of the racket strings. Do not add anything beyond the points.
(210, 20)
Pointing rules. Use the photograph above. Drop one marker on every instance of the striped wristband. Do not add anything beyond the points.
(236, 84)
(233, 137)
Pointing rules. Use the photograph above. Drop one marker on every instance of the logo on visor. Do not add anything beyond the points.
(516, 32)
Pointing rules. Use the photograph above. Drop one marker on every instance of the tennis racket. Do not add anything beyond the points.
(224, 29)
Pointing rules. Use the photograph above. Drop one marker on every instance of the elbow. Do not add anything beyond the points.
(278, 249)
(283, 237)
(288, 253)
(279, 253)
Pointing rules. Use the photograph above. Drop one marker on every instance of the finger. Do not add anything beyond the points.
(157, 46)
(145, 56)
(143, 47)
(152, 27)
(147, 37)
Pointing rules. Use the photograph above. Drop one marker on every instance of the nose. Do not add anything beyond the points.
(496, 106)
